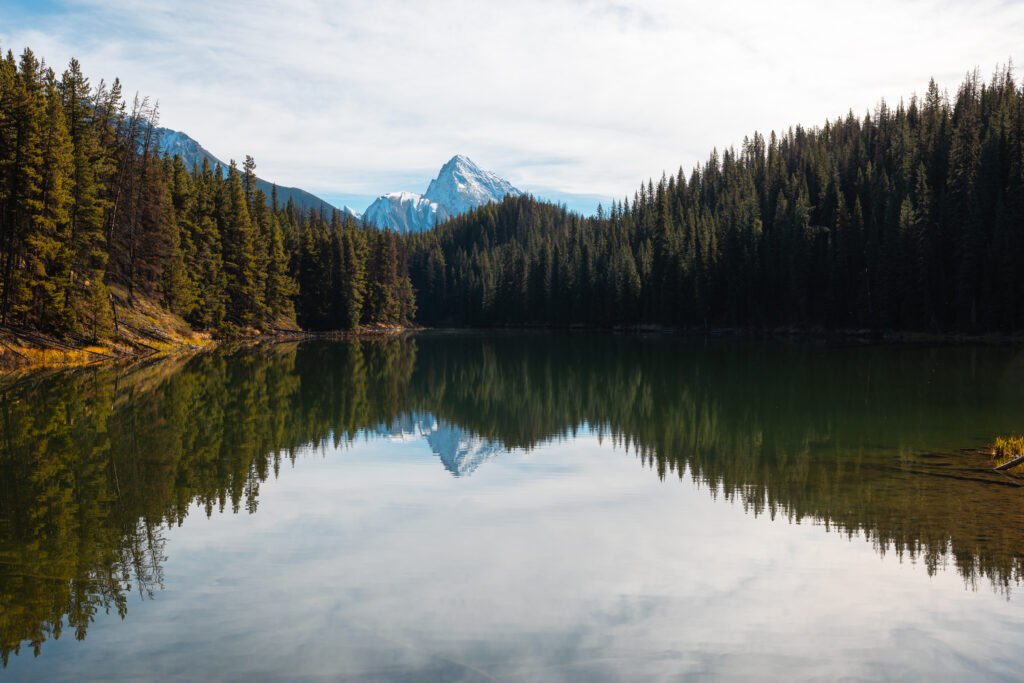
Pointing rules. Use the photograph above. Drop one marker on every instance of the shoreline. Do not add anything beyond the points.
(785, 333)
(26, 351)
(35, 351)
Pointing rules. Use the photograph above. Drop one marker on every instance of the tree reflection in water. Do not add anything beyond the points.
(97, 464)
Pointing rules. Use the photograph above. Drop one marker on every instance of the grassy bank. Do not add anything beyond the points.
(141, 328)
(144, 329)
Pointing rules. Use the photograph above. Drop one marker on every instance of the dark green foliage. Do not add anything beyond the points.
(389, 292)
(350, 276)
(86, 201)
(86, 257)
(911, 218)
(245, 302)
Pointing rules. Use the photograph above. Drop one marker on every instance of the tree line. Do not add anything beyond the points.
(88, 204)
(909, 218)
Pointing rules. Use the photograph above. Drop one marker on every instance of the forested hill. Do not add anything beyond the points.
(909, 218)
(87, 202)
(176, 143)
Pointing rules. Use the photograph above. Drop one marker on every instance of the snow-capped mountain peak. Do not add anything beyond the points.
(460, 450)
(459, 187)
(462, 185)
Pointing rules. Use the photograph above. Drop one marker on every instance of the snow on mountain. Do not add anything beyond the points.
(462, 186)
(403, 212)
(459, 187)
(460, 451)
(407, 427)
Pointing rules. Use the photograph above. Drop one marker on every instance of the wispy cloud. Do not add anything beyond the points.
(364, 97)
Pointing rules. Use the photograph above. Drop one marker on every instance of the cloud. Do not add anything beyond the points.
(368, 97)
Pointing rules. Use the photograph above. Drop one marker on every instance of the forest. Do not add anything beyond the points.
(88, 204)
(909, 218)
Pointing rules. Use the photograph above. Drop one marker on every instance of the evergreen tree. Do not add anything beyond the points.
(244, 299)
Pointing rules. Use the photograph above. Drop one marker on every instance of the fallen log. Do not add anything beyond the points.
(12, 350)
(136, 343)
(156, 336)
(1019, 460)
(50, 343)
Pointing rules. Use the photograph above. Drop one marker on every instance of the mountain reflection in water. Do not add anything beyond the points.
(98, 464)
(460, 450)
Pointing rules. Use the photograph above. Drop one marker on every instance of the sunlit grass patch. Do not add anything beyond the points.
(1006, 449)
(24, 357)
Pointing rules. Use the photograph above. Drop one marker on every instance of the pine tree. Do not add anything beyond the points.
(87, 257)
(48, 244)
(280, 288)
(236, 230)
(23, 187)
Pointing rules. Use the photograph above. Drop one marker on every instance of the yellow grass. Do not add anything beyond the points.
(1006, 449)
(164, 333)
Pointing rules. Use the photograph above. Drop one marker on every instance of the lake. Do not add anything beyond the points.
(515, 507)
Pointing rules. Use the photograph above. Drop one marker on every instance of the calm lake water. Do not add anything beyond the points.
(515, 507)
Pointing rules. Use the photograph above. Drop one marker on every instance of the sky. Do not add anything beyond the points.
(578, 101)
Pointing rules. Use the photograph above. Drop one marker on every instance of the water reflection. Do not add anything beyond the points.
(96, 465)
(460, 450)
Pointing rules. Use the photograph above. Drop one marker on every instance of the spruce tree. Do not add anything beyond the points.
(237, 242)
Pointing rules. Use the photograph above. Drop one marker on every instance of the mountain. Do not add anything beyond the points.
(459, 450)
(403, 212)
(460, 186)
(175, 142)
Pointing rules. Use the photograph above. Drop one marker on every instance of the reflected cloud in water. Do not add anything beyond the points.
(469, 506)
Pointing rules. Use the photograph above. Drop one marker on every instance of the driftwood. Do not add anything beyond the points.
(136, 343)
(49, 343)
(148, 333)
(11, 349)
(1012, 463)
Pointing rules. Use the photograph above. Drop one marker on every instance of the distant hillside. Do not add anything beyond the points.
(175, 142)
